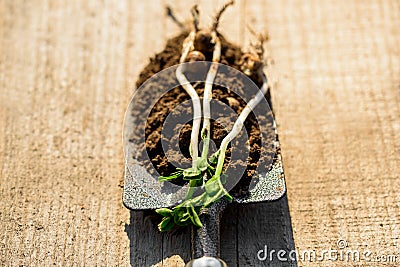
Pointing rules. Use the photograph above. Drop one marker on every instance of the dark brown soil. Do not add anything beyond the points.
(259, 156)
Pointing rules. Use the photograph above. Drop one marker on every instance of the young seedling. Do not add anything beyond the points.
(198, 165)
(206, 131)
(251, 63)
(237, 127)
(188, 45)
(183, 215)
(187, 212)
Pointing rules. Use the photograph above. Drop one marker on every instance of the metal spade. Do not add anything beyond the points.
(142, 190)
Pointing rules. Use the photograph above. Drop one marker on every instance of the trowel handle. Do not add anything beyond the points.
(205, 240)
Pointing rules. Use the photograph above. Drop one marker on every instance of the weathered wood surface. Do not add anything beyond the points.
(67, 70)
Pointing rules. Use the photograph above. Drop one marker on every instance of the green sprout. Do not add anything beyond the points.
(202, 174)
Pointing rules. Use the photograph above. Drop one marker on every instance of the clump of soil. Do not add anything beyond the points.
(249, 141)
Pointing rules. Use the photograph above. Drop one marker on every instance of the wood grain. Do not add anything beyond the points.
(67, 70)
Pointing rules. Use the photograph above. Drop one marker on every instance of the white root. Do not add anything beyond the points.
(237, 127)
(219, 14)
(208, 94)
(188, 45)
(194, 139)
(210, 81)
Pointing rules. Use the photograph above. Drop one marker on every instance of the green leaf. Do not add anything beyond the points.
(173, 176)
(214, 158)
(228, 197)
(164, 212)
(212, 199)
(166, 224)
(212, 186)
(197, 201)
(223, 178)
(190, 178)
(194, 217)
(191, 173)
(194, 183)
(215, 191)
(202, 164)
(210, 170)
(181, 217)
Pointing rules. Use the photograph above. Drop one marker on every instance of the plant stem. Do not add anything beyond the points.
(206, 131)
(208, 95)
(240, 121)
(194, 139)
(219, 14)
(188, 45)
(192, 185)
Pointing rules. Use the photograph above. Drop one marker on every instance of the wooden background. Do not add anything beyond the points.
(67, 70)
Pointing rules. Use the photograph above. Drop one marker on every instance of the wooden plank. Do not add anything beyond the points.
(60, 168)
(265, 227)
(177, 242)
(229, 235)
(67, 69)
(337, 106)
(145, 239)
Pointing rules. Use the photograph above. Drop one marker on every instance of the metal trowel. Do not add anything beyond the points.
(142, 190)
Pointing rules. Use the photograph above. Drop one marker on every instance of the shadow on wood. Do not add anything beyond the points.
(245, 230)
(150, 247)
(248, 228)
